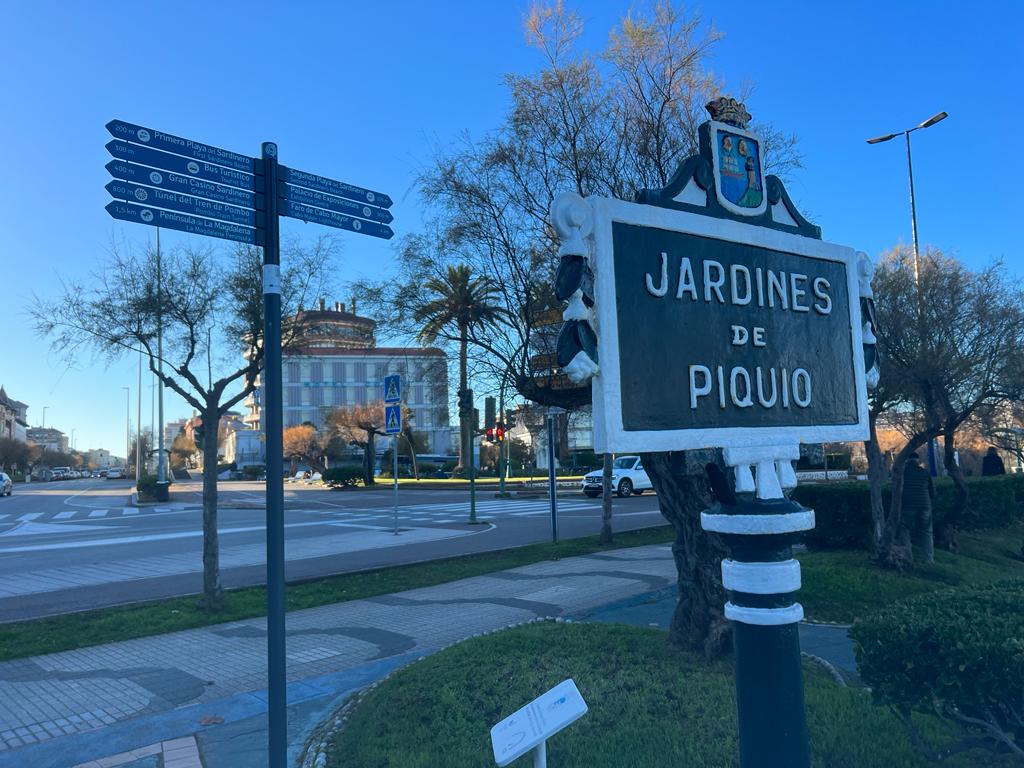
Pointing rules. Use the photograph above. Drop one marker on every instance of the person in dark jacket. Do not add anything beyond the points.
(918, 495)
(992, 464)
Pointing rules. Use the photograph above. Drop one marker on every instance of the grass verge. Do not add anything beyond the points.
(843, 585)
(107, 625)
(649, 705)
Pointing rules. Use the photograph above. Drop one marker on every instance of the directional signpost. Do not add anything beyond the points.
(393, 426)
(168, 181)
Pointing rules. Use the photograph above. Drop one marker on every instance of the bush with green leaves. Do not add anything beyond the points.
(253, 471)
(958, 653)
(842, 511)
(343, 477)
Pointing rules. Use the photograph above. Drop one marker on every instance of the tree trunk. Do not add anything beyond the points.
(947, 528)
(876, 478)
(213, 593)
(699, 622)
(606, 500)
(368, 459)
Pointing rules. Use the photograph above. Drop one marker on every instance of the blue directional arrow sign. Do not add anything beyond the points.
(332, 219)
(149, 137)
(165, 161)
(334, 203)
(162, 198)
(332, 187)
(156, 217)
(185, 184)
(393, 388)
(393, 419)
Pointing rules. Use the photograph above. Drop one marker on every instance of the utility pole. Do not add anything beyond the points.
(138, 428)
(161, 470)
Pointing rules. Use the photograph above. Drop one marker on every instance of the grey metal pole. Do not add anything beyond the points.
(277, 710)
(552, 485)
(913, 215)
(540, 755)
(472, 473)
(138, 428)
(161, 472)
(394, 456)
(127, 425)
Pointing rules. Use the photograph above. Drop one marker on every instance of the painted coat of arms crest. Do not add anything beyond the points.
(736, 159)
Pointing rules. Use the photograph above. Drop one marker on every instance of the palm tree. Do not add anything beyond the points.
(455, 303)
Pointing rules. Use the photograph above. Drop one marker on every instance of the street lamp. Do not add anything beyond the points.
(932, 461)
(44, 414)
(910, 168)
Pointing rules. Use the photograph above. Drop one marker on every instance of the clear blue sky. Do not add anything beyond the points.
(363, 92)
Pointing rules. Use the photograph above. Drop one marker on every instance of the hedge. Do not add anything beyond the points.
(343, 477)
(842, 511)
(959, 652)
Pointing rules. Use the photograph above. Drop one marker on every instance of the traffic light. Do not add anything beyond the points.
(499, 433)
(490, 418)
(490, 434)
(465, 403)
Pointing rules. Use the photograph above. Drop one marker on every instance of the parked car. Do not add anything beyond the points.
(115, 474)
(6, 484)
(628, 477)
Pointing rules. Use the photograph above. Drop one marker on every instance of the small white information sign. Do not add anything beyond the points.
(532, 725)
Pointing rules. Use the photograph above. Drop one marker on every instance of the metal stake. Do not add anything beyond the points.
(277, 709)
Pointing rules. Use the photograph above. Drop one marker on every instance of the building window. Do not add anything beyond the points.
(294, 376)
(316, 372)
(316, 397)
(360, 396)
(360, 376)
(417, 393)
(294, 397)
(382, 370)
(338, 372)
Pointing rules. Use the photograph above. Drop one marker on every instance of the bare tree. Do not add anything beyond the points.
(950, 346)
(189, 295)
(607, 123)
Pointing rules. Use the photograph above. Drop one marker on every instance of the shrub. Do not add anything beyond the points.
(343, 477)
(253, 471)
(147, 486)
(842, 511)
(957, 652)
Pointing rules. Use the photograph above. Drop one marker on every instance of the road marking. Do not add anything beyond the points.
(29, 517)
(66, 514)
(129, 511)
(98, 513)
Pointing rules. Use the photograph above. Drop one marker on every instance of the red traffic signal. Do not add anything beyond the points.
(490, 434)
(499, 434)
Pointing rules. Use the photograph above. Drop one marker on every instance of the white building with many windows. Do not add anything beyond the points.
(335, 363)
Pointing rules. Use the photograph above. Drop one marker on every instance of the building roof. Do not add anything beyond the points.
(367, 352)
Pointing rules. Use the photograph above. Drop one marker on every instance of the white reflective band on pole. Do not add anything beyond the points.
(761, 578)
(756, 525)
(765, 617)
(271, 278)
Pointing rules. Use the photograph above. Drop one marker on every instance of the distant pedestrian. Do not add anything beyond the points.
(992, 464)
(918, 496)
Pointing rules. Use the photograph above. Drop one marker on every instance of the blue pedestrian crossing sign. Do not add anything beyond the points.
(393, 419)
(393, 389)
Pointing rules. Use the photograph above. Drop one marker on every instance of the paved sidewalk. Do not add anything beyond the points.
(107, 703)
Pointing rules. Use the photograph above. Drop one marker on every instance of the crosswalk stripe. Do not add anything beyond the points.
(98, 513)
(66, 515)
(129, 511)
(29, 517)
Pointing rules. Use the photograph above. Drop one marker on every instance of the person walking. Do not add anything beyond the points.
(992, 464)
(918, 496)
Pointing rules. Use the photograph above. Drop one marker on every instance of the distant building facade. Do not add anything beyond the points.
(99, 458)
(49, 439)
(336, 363)
(13, 418)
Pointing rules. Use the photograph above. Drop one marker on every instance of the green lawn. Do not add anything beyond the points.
(842, 585)
(78, 630)
(649, 706)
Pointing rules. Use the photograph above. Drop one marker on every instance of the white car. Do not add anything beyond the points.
(628, 477)
(115, 474)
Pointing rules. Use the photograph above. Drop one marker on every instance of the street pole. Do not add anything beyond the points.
(394, 456)
(472, 475)
(913, 215)
(161, 471)
(552, 485)
(277, 707)
(44, 414)
(138, 428)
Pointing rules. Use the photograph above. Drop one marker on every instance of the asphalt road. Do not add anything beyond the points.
(74, 545)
